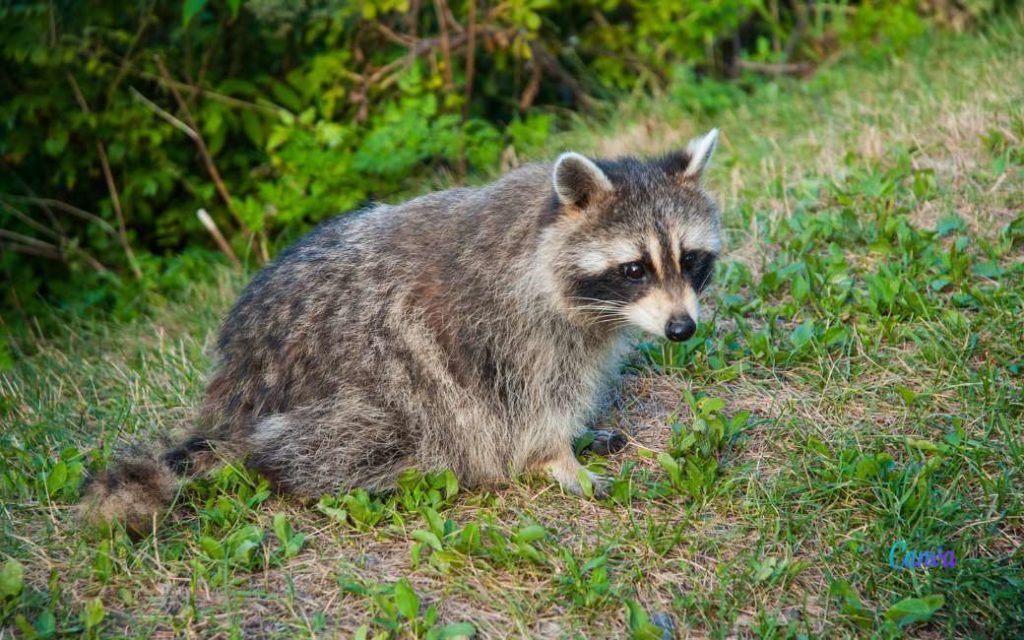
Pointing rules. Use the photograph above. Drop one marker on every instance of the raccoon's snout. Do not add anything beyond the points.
(680, 328)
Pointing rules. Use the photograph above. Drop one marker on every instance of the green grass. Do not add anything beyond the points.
(861, 384)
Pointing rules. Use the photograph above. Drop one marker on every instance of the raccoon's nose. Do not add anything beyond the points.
(679, 329)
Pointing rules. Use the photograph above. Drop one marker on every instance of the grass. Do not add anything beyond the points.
(861, 384)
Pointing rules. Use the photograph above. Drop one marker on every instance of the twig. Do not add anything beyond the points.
(397, 38)
(413, 17)
(35, 197)
(780, 68)
(46, 203)
(121, 61)
(442, 20)
(27, 219)
(468, 95)
(429, 44)
(171, 120)
(797, 33)
(39, 252)
(123, 70)
(115, 199)
(470, 58)
(451, 19)
(551, 64)
(200, 142)
(207, 158)
(29, 240)
(225, 248)
(532, 87)
(213, 95)
(37, 247)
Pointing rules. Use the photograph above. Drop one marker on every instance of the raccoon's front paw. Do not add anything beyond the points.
(600, 486)
(576, 479)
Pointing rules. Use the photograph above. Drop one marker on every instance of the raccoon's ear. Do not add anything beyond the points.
(701, 150)
(578, 181)
(690, 164)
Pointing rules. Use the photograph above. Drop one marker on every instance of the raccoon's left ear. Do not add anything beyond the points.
(690, 164)
(578, 181)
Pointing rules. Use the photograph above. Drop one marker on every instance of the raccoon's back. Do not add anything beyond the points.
(323, 314)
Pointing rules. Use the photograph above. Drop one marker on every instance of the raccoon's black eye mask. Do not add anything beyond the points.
(697, 266)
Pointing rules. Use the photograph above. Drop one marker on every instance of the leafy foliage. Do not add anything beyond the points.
(119, 123)
(880, 409)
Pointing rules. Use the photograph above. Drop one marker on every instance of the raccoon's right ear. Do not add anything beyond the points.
(579, 182)
(690, 164)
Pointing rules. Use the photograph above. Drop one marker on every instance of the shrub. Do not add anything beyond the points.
(120, 121)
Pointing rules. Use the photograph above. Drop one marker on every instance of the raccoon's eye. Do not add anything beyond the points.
(697, 266)
(633, 271)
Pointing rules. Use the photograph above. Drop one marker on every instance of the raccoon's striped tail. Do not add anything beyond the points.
(142, 482)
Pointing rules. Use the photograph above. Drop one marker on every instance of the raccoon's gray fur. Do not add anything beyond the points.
(468, 329)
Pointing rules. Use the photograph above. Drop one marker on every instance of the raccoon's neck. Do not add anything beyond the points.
(565, 361)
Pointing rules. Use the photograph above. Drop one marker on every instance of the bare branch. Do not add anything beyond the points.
(47, 203)
(108, 175)
(442, 21)
(155, 108)
(781, 68)
(211, 226)
(29, 240)
(27, 219)
(39, 252)
(204, 151)
(532, 87)
(398, 38)
(470, 58)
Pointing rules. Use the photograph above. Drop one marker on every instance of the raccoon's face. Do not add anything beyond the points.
(639, 239)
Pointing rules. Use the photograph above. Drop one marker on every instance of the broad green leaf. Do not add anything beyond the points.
(92, 613)
(46, 624)
(911, 610)
(908, 395)
(282, 529)
(451, 484)
(456, 630)
(802, 334)
(639, 623)
(212, 547)
(851, 604)
(189, 10)
(406, 599)
(586, 484)
(11, 578)
(57, 477)
(427, 538)
(531, 533)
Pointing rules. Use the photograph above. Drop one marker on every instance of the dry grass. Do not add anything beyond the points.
(757, 555)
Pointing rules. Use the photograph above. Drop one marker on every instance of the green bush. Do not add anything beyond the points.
(119, 121)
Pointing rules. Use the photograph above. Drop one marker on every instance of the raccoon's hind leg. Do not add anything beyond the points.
(321, 450)
(142, 481)
(603, 442)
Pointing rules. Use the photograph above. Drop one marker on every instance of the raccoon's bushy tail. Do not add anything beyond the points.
(142, 481)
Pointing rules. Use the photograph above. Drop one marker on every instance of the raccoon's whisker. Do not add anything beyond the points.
(602, 310)
(598, 306)
(612, 319)
(601, 304)
(616, 303)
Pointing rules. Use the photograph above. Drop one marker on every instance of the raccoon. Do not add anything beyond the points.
(471, 329)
